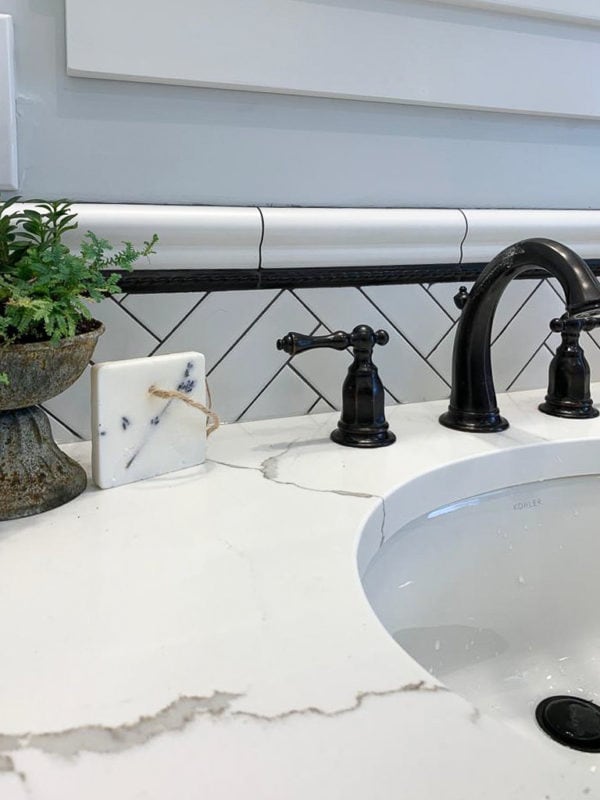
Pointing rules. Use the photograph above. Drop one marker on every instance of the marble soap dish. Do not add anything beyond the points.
(136, 434)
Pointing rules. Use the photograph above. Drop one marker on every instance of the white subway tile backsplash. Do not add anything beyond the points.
(512, 301)
(62, 435)
(323, 369)
(286, 395)
(237, 332)
(591, 350)
(255, 359)
(124, 337)
(441, 357)
(520, 340)
(160, 313)
(535, 374)
(402, 368)
(216, 323)
(444, 294)
(413, 312)
(73, 407)
(320, 407)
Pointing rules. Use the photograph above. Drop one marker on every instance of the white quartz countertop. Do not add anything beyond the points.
(205, 634)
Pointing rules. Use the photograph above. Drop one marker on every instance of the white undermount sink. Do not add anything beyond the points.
(498, 594)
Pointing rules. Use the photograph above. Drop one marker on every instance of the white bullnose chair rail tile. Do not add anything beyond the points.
(228, 237)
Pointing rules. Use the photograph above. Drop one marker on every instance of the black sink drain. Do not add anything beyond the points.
(571, 721)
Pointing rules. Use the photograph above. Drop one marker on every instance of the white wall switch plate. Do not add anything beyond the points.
(136, 435)
(8, 116)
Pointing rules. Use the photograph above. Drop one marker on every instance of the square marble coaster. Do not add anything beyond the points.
(136, 435)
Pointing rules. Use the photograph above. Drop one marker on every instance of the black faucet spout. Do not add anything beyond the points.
(473, 404)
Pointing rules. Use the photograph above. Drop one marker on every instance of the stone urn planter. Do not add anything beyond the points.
(35, 475)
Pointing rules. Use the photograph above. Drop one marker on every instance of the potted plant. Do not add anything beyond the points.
(47, 336)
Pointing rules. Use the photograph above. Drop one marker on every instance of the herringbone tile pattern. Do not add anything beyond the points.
(250, 379)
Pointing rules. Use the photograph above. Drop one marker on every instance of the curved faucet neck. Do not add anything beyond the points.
(473, 398)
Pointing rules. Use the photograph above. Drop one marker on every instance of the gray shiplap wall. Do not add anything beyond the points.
(108, 141)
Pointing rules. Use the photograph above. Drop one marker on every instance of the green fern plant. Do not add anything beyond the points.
(44, 288)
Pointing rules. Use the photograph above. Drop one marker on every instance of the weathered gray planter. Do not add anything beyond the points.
(35, 475)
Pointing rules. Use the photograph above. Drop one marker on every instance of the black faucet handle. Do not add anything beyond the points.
(293, 342)
(362, 338)
(363, 422)
(574, 325)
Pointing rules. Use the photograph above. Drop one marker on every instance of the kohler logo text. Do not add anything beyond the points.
(537, 501)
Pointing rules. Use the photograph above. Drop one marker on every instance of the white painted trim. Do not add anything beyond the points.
(582, 12)
(202, 237)
(359, 237)
(492, 230)
(8, 119)
(433, 54)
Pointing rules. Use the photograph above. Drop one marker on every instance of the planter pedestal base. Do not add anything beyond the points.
(35, 475)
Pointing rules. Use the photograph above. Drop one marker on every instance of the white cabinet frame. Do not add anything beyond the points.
(8, 123)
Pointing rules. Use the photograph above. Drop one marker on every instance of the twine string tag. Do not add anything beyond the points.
(212, 418)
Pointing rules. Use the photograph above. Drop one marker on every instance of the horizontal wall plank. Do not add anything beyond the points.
(582, 12)
(429, 54)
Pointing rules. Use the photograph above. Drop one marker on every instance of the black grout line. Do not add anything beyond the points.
(269, 382)
(435, 347)
(555, 290)
(64, 424)
(262, 237)
(241, 336)
(309, 309)
(441, 377)
(328, 328)
(314, 404)
(518, 311)
(464, 239)
(527, 363)
(308, 383)
(179, 324)
(392, 395)
(590, 337)
(435, 300)
(139, 322)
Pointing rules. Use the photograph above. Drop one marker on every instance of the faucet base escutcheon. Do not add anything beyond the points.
(474, 421)
(368, 436)
(562, 408)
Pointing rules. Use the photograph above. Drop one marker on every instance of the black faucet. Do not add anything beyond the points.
(363, 422)
(473, 405)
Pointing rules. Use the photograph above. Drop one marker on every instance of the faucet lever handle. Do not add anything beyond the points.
(573, 325)
(363, 422)
(293, 342)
